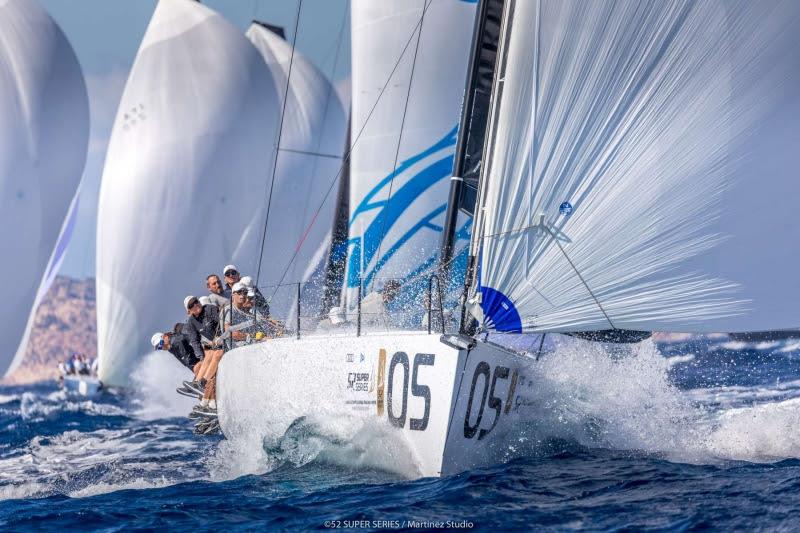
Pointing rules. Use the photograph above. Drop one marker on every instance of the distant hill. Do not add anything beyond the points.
(65, 322)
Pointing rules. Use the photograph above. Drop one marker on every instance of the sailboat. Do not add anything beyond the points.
(637, 173)
(44, 136)
(184, 177)
(190, 168)
(404, 139)
(296, 223)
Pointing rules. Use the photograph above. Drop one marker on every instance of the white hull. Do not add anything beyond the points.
(82, 385)
(438, 409)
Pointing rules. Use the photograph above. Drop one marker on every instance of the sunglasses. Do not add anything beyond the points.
(231, 273)
(243, 292)
(160, 345)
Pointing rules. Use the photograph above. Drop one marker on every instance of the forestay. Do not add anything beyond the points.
(190, 156)
(644, 170)
(298, 232)
(44, 133)
(405, 137)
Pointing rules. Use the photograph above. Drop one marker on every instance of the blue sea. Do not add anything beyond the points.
(685, 436)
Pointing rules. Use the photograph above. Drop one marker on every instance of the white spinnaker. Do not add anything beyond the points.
(311, 144)
(44, 133)
(673, 130)
(189, 156)
(399, 220)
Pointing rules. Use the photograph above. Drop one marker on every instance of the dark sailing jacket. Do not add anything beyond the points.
(205, 326)
(182, 350)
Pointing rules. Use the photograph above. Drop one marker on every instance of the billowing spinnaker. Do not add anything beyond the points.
(645, 169)
(44, 133)
(189, 156)
(302, 208)
(403, 158)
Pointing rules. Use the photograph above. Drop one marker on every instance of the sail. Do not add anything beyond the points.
(404, 137)
(44, 134)
(643, 173)
(303, 196)
(189, 159)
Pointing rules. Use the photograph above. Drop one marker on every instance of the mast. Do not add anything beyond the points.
(472, 126)
(337, 257)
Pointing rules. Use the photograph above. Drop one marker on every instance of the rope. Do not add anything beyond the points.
(555, 239)
(280, 132)
(349, 152)
(400, 137)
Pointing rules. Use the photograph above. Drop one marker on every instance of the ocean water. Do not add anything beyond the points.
(683, 436)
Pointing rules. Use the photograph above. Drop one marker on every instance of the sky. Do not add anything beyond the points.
(106, 35)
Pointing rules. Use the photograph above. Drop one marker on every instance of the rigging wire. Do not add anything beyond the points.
(580, 277)
(399, 139)
(349, 152)
(280, 132)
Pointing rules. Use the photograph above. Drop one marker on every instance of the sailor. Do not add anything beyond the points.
(245, 325)
(202, 331)
(232, 276)
(202, 325)
(255, 295)
(380, 309)
(215, 291)
(177, 345)
(245, 322)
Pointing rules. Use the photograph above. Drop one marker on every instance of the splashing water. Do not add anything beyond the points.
(602, 418)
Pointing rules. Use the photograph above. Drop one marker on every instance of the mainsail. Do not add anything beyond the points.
(44, 133)
(643, 173)
(186, 170)
(404, 136)
(298, 231)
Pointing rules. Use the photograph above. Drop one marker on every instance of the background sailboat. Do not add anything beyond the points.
(402, 160)
(184, 175)
(44, 134)
(296, 220)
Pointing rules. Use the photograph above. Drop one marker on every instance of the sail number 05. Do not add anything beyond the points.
(488, 399)
(398, 419)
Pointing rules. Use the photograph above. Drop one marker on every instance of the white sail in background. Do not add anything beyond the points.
(311, 143)
(44, 134)
(671, 131)
(402, 160)
(189, 157)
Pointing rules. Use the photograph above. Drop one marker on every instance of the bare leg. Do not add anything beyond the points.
(211, 369)
(211, 389)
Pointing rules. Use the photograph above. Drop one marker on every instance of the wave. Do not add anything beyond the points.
(631, 403)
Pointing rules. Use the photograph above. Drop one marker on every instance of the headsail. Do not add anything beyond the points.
(298, 233)
(403, 158)
(185, 175)
(644, 169)
(44, 133)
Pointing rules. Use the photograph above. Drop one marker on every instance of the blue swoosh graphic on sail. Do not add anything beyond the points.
(393, 209)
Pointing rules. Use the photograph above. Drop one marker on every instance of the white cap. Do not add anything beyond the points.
(187, 300)
(155, 339)
(247, 281)
(204, 300)
(229, 267)
(238, 286)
